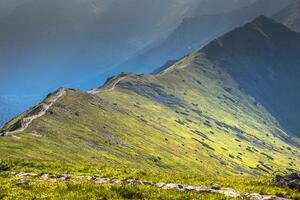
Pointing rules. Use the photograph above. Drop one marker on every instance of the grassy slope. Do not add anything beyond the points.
(216, 124)
(192, 123)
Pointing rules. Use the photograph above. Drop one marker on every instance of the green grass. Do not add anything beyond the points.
(243, 184)
(213, 132)
(87, 190)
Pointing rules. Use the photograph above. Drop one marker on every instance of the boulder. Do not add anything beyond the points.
(294, 184)
(294, 176)
(215, 187)
(23, 182)
(291, 181)
(64, 177)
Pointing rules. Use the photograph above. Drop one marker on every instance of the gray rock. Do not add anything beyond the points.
(64, 177)
(190, 188)
(215, 187)
(94, 177)
(103, 180)
(294, 184)
(22, 174)
(45, 176)
(160, 185)
(294, 176)
(147, 183)
(115, 181)
(20, 183)
(172, 186)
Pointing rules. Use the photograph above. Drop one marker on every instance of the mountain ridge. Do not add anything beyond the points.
(197, 31)
(193, 115)
(275, 61)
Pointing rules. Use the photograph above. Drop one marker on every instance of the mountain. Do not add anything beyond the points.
(290, 16)
(201, 114)
(213, 7)
(75, 43)
(272, 76)
(194, 32)
(66, 42)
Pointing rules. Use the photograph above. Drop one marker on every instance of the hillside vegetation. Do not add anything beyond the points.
(194, 118)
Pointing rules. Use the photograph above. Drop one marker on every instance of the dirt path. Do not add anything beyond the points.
(96, 91)
(25, 122)
(164, 186)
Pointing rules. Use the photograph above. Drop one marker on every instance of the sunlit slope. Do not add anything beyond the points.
(192, 116)
(263, 57)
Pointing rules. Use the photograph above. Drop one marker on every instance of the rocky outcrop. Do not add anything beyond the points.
(292, 181)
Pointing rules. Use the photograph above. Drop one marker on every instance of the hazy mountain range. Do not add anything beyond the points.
(81, 43)
(209, 109)
(197, 31)
(227, 104)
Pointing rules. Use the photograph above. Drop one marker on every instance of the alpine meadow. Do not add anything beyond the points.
(219, 120)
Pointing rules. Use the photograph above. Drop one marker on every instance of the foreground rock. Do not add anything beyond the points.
(291, 181)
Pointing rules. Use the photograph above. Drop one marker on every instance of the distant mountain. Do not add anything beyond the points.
(224, 109)
(264, 57)
(75, 43)
(290, 16)
(68, 39)
(197, 31)
(213, 7)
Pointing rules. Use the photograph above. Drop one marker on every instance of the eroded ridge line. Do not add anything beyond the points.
(26, 121)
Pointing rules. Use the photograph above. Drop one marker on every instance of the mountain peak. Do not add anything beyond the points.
(260, 55)
(262, 34)
(262, 18)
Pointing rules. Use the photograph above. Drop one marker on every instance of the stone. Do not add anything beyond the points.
(103, 180)
(160, 185)
(94, 177)
(22, 174)
(291, 181)
(294, 176)
(24, 182)
(170, 186)
(294, 184)
(137, 182)
(116, 181)
(146, 183)
(189, 188)
(64, 177)
(215, 187)
(232, 194)
(45, 176)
